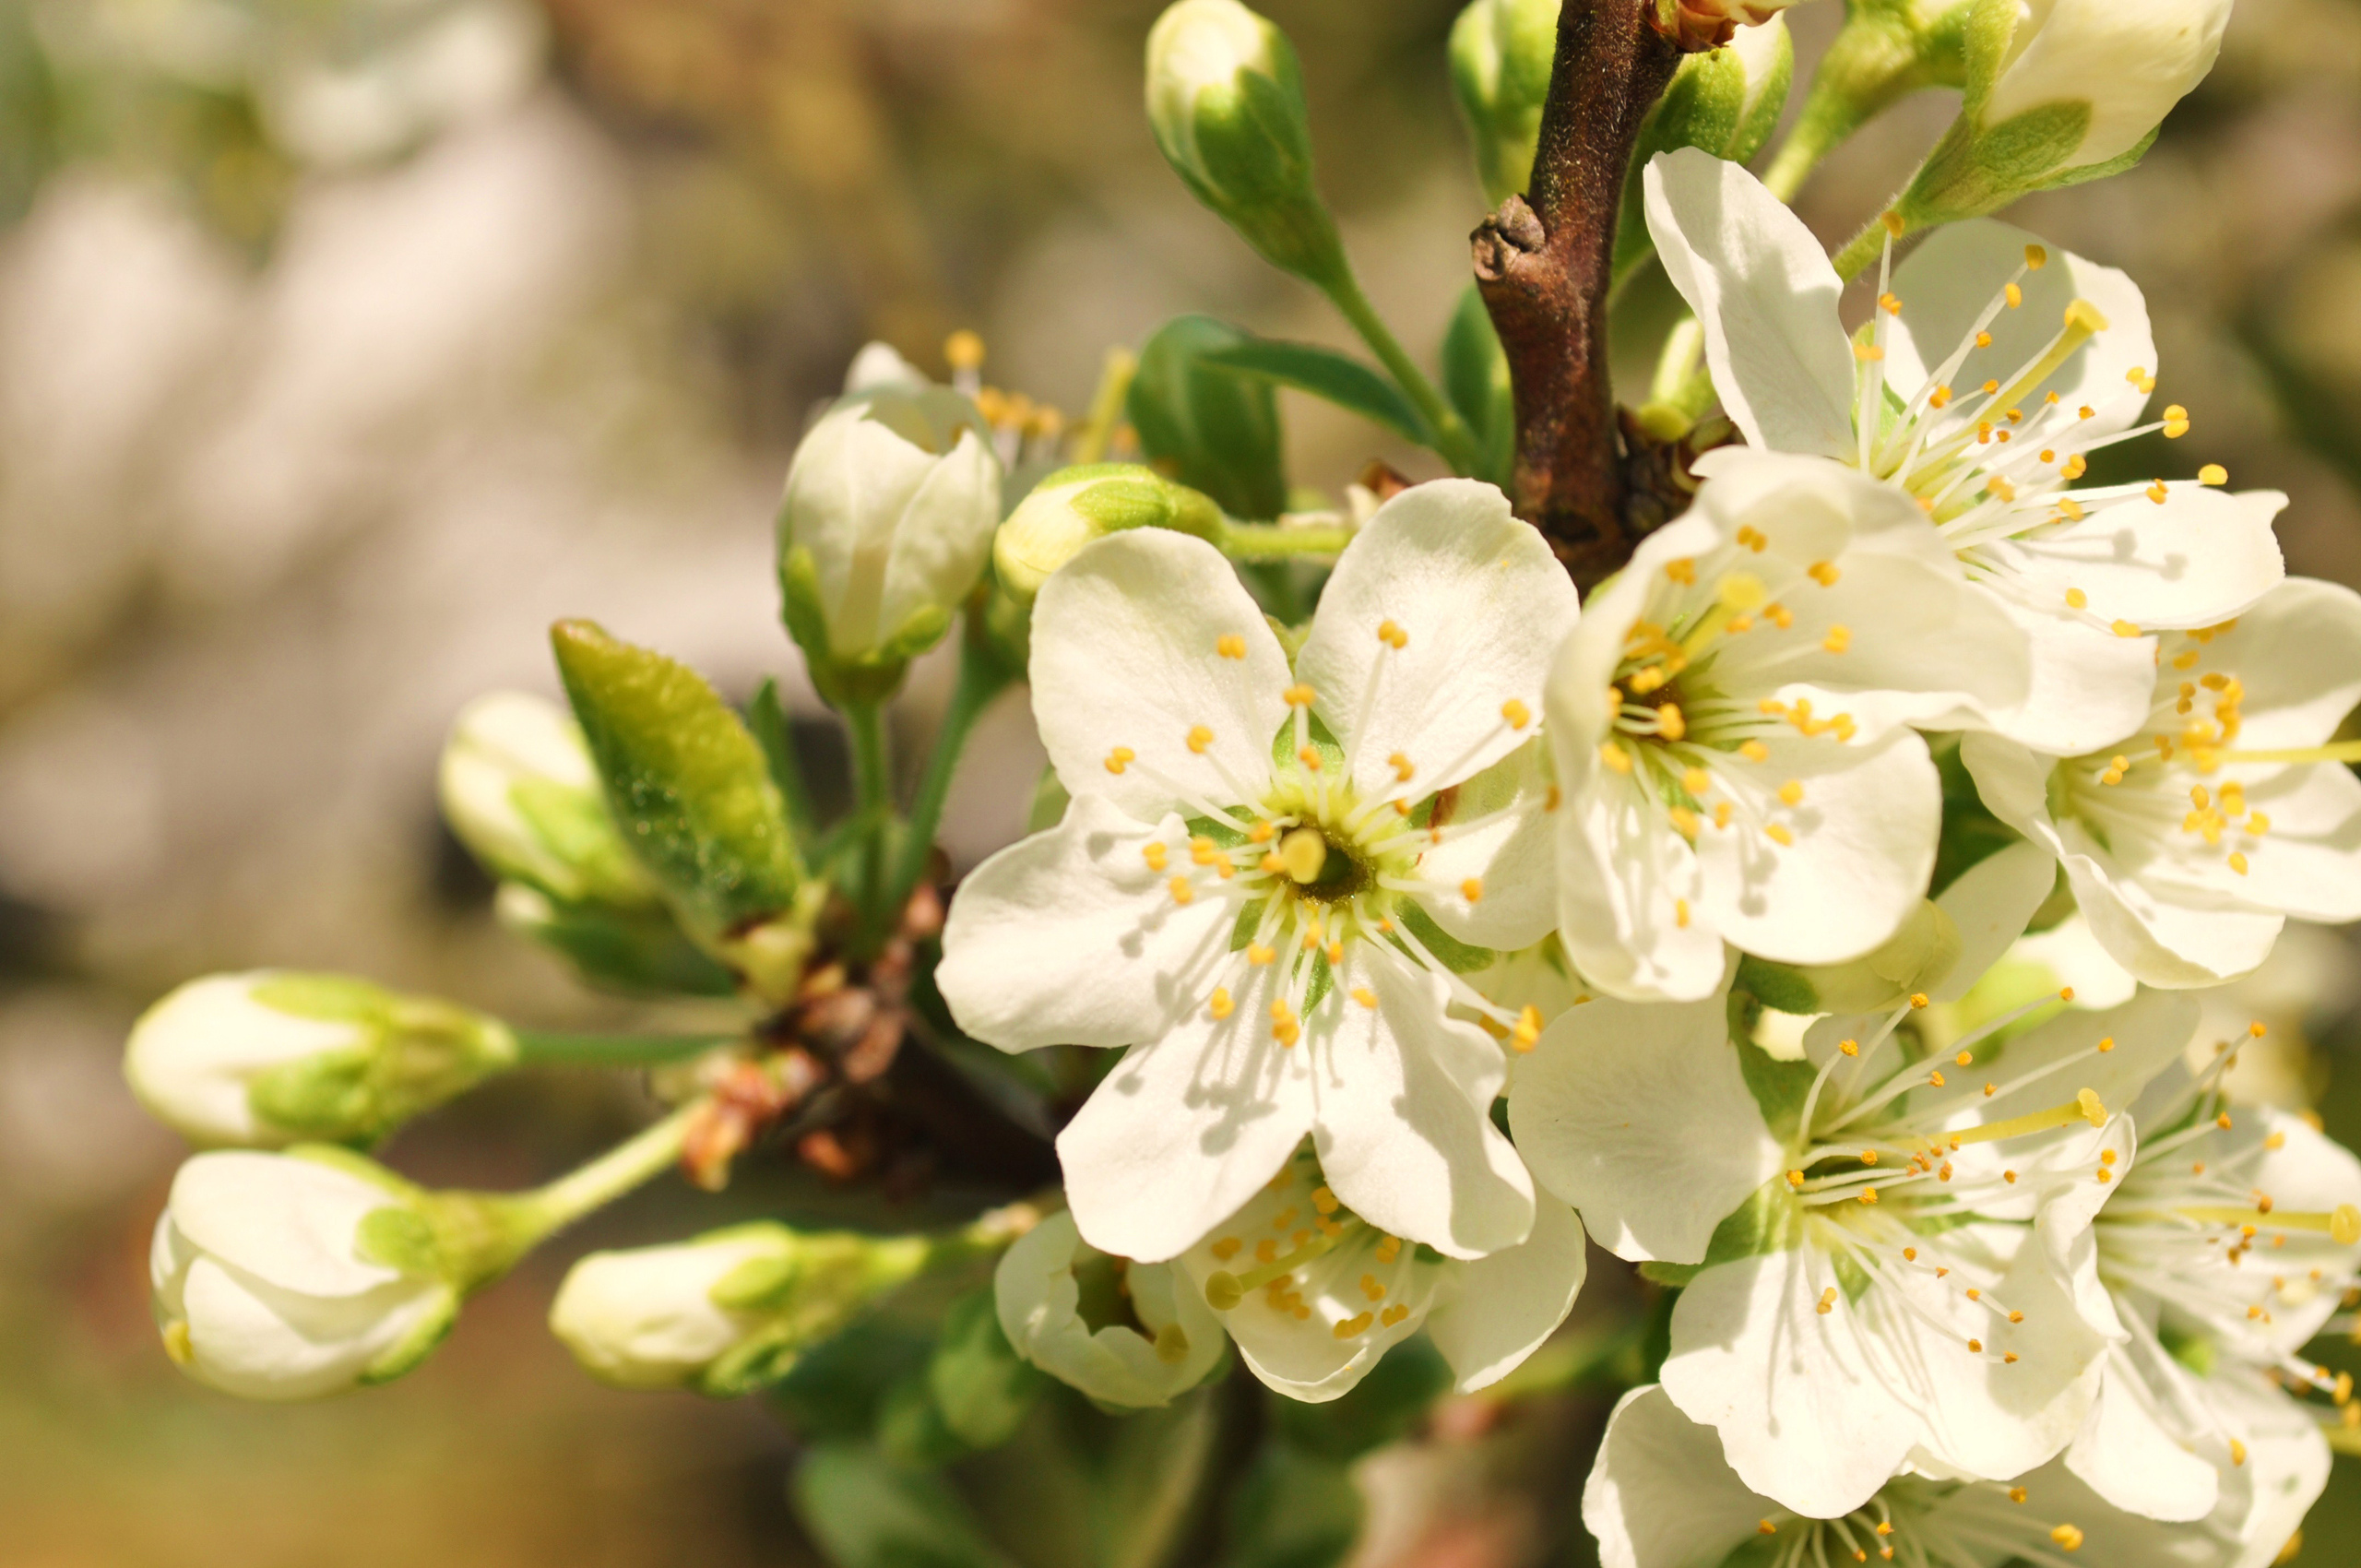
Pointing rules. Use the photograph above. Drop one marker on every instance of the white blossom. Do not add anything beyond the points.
(1730, 722)
(1265, 872)
(2187, 849)
(647, 1317)
(1886, 1238)
(1991, 372)
(2128, 63)
(1130, 1334)
(1315, 1295)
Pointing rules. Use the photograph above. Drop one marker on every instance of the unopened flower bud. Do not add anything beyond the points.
(1073, 507)
(1225, 98)
(884, 528)
(1502, 52)
(727, 1312)
(1709, 24)
(293, 1275)
(2060, 92)
(273, 1057)
(520, 790)
(1126, 1334)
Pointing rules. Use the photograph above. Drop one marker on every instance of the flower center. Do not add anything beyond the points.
(1936, 1521)
(1296, 1252)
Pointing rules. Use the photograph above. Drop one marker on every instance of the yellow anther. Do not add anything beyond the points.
(1366, 997)
(1755, 751)
(1270, 864)
(1220, 1006)
(1669, 724)
(1741, 591)
(1868, 352)
(1526, 1032)
(1517, 714)
(1392, 636)
(1795, 1179)
(1824, 572)
(1310, 757)
(1839, 638)
(1868, 1194)
(1696, 780)
(1298, 695)
(2122, 628)
(1155, 855)
(1230, 647)
(1893, 222)
(2068, 1538)
(1990, 389)
(1472, 889)
(1258, 955)
(2213, 473)
(1182, 890)
(1120, 758)
(1778, 834)
(1849, 1047)
(1792, 793)
(1828, 1300)
(1965, 1059)
(1984, 339)
(1684, 822)
(2237, 862)
(963, 349)
(2014, 295)
(1682, 571)
(2176, 422)
(1200, 738)
(1261, 833)
(1890, 303)
(2036, 259)
(1680, 913)
(1615, 756)
(2077, 599)
(1334, 952)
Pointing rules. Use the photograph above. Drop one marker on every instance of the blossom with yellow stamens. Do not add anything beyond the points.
(1375, 812)
(1999, 368)
(1734, 770)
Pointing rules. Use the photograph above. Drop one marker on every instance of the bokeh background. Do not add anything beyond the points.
(346, 343)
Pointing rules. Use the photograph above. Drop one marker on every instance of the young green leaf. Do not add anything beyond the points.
(1325, 373)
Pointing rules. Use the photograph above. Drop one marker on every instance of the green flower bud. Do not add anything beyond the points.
(1225, 98)
(726, 1313)
(884, 530)
(272, 1058)
(293, 1275)
(1073, 507)
(1501, 55)
(520, 790)
(1724, 100)
(2060, 92)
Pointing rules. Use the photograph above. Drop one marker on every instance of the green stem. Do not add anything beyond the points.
(1277, 541)
(537, 1048)
(768, 719)
(1106, 407)
(1453, 438)
(629, 1165)
(872, 785)
(981, 678)
(1864, 248)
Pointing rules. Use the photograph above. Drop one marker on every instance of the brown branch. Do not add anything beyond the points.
(1543, 264)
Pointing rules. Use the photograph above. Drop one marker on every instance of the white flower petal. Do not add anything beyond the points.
(258, 1341)
(1127, 640)
(2089, 688)
(1505, 848)
(2201, 558)
(2287, 1468)
(2307, 866)
(1070, 937)
(1502, 1307)
(1990, 905)
(1660, 1496)
(2130, 1454)
(1863, 847)
(1404, 1125)
(289, 1222)
(1766, 295)
(1957, 271)
(1624, 881)
(1186, 1128)
(1638, 1114)
(1482, 604)
(1038, 1300)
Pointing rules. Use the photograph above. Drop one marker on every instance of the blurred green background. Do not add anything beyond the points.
(346, 343)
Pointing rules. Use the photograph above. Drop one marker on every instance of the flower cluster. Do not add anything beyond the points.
(1400, 922)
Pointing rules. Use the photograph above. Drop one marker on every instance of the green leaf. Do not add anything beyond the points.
(637, 951)
(685, 780)
(979, 1384)
(767, 720)
(865, 1513)
(1780, 986)
(1476, 380)
(1382, 1408)
(837, 1388)
(1212, 428)
(1325, 373)
(1293, 1510)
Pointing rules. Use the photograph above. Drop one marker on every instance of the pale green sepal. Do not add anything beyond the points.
(417, 1054)
(401, 1356)
(871, 677)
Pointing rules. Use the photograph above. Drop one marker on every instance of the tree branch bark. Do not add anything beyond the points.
(1543, 263)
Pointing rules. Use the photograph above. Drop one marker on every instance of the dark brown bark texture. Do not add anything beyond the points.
(1543, 263)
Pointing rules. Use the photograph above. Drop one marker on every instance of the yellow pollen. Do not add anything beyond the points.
(1335, 953)
(2124, 629)
(1155, 854)
(1795, 1179)
(1890, 303)
(1792, 793)
(2077, 599)
(1828, 1300)
(1201, 851)
(1680, 913)
(1966, 1059)
(1767, 1528)
(1298, 695)
(1868, 352)
(1392, 636)
(1220, 1005)
(2176, 422)
(1975, 1347)
(1984, 340)
(1684, 822)
(1270, 864)
(1366, 998)
(2213, 473)
(1310, 757)
(1696, 780)
(1779, 834)
(2106, 1045)
(1182, 890)
(1942, 395)
(2036, 259)
(1403, 771)
(1917, 999)
(1527, 1033)
(1200, 738)
(1669, 723)
(1517, 714)
(1230, 647)
(1614, 757)
(1258, 955)
(1120, 758)
(1261, 833)
(1755, 751)
(1682, 571)
(1936, 1079)
(1894, 223)
(1839, 638)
